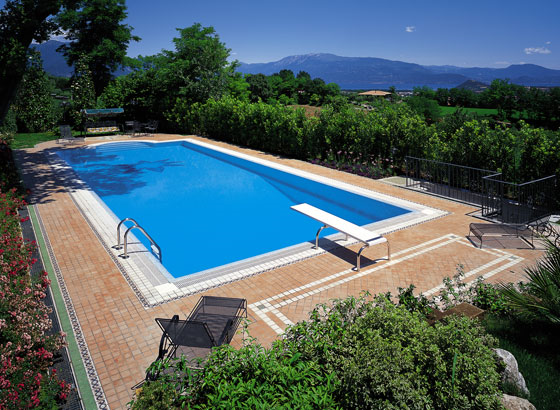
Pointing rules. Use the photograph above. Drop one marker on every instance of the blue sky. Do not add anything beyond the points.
(491, 33)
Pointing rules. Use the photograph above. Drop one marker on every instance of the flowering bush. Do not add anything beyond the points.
(26, 351)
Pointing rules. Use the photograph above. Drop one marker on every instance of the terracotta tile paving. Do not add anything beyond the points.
(123, 337)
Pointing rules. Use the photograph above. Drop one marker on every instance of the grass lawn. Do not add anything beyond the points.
(536, 350)
(483, 112)
(29, 140)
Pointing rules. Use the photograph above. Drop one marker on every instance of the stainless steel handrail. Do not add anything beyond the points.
(137, 226)
(118, 246)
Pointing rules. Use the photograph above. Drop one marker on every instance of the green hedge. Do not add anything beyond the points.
(389, 131)
(287, 131)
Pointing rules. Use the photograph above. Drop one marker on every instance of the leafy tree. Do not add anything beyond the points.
(194, 72)
(96, 30)
(33, 105)
(21, 22)
(83, 94)
(424, 106)
(259, 87)
(199, 66)
(501, 95)
(425, 92)
(238, 86)
(443, 96)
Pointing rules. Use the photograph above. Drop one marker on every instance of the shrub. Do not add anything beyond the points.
(384, 356)
(249, 378)
(355, 353)
(540, 298)
(26, 351)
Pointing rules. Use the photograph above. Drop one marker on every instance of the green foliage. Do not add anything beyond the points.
(426, 107)
(83, 93)
(249, 378)
(21, 22)
(33, 106)
(384, 356)
(95, 30)
(259, 87)
(420, 303)
(392, 131)
(194, 72)
(9, 127)
(540, 298)
(535, 347)
(354, 353)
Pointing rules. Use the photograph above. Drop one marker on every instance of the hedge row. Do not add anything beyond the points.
(389, 131)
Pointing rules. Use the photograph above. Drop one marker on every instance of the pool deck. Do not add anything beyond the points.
(120, 334)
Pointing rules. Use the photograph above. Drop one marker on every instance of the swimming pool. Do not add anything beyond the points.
(206, 208)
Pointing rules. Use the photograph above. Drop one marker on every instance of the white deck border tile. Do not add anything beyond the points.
(266, 307)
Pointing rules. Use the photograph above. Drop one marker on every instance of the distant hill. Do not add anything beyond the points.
(54, 62)
(472, 85)
(360, 72)
(370, 72)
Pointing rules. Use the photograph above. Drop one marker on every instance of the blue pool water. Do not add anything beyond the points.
(205, 208)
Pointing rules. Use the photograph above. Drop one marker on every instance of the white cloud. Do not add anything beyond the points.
(60, 37)
(537, 50)
(548, 42)
(410, 29)
(502, 63)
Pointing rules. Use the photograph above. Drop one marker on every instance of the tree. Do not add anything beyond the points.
(259, 87)
(21, 22)
(425, 107)
(194, 72)
(96, 30)
(198, 67)
(33, 105)
(501, 95)
(83, 94)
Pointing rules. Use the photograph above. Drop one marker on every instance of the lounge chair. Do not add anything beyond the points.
(489, 230)
(369, 238)
(213, 322)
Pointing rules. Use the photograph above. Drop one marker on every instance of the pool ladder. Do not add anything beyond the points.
(135, 226)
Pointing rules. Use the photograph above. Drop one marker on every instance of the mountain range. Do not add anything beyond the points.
(361, 72)
(371, 72)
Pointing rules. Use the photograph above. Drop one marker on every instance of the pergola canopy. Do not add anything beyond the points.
(103, 112)
(378, 93)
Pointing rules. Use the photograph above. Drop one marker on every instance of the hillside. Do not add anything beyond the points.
(360, 72)
(370, 72)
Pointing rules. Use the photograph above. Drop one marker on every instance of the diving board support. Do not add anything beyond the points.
(328, 220)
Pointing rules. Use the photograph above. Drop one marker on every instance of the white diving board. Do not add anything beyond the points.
(369, 238)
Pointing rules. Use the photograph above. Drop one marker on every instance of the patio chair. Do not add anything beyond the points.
(151, 127)
(66, 135)
(213, 322)
(131, 127)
